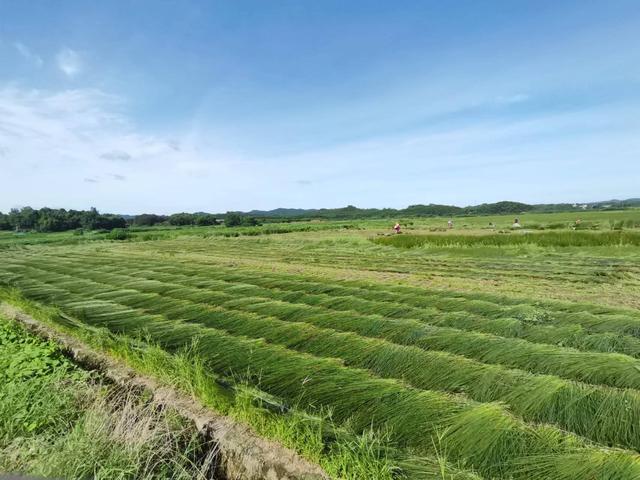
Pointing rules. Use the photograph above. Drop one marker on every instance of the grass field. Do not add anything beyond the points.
(473, 353)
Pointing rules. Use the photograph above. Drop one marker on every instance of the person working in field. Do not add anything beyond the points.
(397, 227)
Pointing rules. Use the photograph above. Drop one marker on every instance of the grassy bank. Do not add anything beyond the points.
(59, 421)
(342, 451)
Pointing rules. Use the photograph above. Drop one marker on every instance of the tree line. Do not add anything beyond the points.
(59, 220)
(230, 219)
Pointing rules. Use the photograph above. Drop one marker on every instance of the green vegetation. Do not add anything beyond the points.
(500, 355)
(58, 220)
(118, 234)
(434, 210)
(546, 239)
(60, 422)
(340, 450)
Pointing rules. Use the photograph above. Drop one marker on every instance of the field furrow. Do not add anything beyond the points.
(610, 369)
(602, 414)
(510, 448)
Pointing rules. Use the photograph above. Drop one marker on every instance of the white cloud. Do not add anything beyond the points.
(116, 156)
(69, 62)
(77, 148)
(28, 55)
(60, 149)
(72, 126)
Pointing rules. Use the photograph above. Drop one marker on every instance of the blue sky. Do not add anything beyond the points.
(234, 105)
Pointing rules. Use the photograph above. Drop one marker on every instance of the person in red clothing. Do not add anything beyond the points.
(397, 228)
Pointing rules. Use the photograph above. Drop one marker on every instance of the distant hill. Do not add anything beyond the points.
(504, 207)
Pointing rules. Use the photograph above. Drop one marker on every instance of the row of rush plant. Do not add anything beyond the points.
(595, 318)
(525, 321)
(483, 435)
(611, 369)
(345, 253)
(343, 453)
(603, 414)
(476, 302)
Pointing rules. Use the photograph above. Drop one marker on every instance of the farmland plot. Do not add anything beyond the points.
(494, 386)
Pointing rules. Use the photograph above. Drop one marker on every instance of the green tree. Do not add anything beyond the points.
(232, 219)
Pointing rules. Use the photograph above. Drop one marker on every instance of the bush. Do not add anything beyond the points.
(118, 234)
(232, 220)
(616, 225)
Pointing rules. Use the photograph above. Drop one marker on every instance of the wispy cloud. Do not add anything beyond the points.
(71, 127)
(116, 156)
(66, 142)
(69, 62)
(28, 55)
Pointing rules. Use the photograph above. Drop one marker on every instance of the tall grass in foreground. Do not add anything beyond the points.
(483, 436)
(603, 414)
(57, 422)
(596, 368)
(341, 452)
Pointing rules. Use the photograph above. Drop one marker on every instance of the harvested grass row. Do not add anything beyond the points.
(593, 318)
(605, 415)
(530, 327)
(482, 303)
(531, 324)
(483, 435)
(343, 453)
(595, 368)
(407, 261)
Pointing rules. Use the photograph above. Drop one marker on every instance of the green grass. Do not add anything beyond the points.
(464, 356)
(575, 238)
(341, 451)
(60, 422)
(12, 240)
(597, 368)
(356, 398)
(592, 411)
